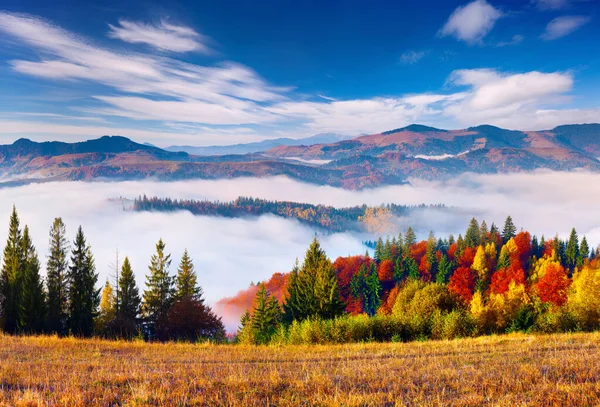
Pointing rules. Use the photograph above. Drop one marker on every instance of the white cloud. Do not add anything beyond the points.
(471, 22)
(163, 36)
(411, 57)
(516, 40)
(262, 246)
(562, 26)
(552, 4)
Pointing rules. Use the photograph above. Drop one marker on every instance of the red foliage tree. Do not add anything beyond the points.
(425, 269)
(418, 250)
(388, 300)
(552, 286)
(502, 278)
(452, 251)
(524, 248)
(467, 257)
(462, 283)
(346, 268)
(385, 271)
(548, 247)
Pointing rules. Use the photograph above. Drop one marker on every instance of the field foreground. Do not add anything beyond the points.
(504, 370)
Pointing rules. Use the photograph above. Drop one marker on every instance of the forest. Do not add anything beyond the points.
(356, 218)
(486, 281)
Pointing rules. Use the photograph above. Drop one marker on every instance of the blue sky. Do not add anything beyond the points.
(211, 72)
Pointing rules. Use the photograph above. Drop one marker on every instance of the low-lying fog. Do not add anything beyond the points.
(230, 253)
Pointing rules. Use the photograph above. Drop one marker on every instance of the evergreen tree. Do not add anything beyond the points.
(483, 232)
(572, 250)
(444, 269)
(366, 286)
(129, 299)
(56, 278)
(410, 238)
(535, 246)
(412, 268)
(509, 231)
(313, 289)
(584, 251)
(266, 316)
(503, 259)
(11, 277)
(379, 250)
(83, 296)
(160, 291)
(387, 250)
(472, 238)
(186, 284)
(33, 300)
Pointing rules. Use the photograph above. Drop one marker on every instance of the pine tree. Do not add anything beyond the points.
(472, 238)
(11, 277)
(83, 296)
(572, 250)
(366, 286)
(483, 232)
(186, 284)
(56, 278)
(129, 299)
(313, 288)
(503, 259)
(378, 256)
(33, 300)
(266, 316)
(584, 252)
(444, 269)
(509, 231)
(409, 239)
(160, 291)
(411, 266)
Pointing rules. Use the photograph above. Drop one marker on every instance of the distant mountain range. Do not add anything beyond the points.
(390, 157)
(259, 146)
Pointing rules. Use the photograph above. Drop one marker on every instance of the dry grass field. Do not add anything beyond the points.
(504, 370)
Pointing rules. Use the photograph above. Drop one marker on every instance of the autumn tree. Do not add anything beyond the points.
(462, 283)
(11, 277)
(33, 297)
(107, 312)
(552, 286)
(56, 278)
(83, 296)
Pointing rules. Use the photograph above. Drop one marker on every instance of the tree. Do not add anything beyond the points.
(483, 232)
(572, 252)
(313, 289)
(366, 287)
(190, 319)
(83, 296)
(129, 300)
(409, 239)
(259, 325)
(472, 238)
(56, 278)
(509, 231)
(480, 265)
(552, 286)
(444, 269)
(378, 256)
(108, 312)
(33, 298)
(186, 280)
(11, 277)
(584, 252)
(462, 283)
(160, 291)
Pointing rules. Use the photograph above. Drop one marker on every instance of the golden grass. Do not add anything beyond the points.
(515, 369)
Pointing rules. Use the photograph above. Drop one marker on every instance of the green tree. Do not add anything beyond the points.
(11, 277)
(509, 231)
(378, 256)
(186, 284)
(33, 299)
(572, 251)
(56, 278)
(584, 251)
(365, 285)
(472, 238)
(160, 291)
(129, 298)
(83, 296)
(313, 288)
(266, 316)
(410, 238)
(444, 269)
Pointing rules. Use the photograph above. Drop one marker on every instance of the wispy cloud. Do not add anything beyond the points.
(164, 36)
(562, 26)
(552, 4)
(516, 40)
(411, 57)
(471, 22)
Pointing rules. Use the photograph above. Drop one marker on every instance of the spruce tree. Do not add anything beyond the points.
(483, 233)
(378, 256)
(186, 284)
(265, 317)
(365, 285)
(509, 231)
(572, 250)
(129, 298)
(83, 296)
(11, 277)
(472, 238)
(160, 291)
(56, 278)
(444, 269)
(33, 300)
(410, 238)
(584, 251)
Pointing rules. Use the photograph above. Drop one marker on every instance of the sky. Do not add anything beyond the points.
(219, 73)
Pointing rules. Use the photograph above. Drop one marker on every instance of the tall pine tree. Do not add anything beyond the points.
(160, 291)
(509, 231)
(56, 278)
(186, 283)
(129, 298)
(572, 251)
(33, 299)
(83, 296)
(11, 277)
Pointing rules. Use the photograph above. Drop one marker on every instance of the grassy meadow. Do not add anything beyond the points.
(516, 369)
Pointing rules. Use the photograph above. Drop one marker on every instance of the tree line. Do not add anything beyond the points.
(487, 281)
(68, 302)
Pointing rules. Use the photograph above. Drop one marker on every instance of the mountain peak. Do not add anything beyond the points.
(415, 128)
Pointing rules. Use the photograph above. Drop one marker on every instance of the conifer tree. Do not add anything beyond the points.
(83, 296)
(366, 286)
(483, 232)
(265, 317)
(572, 250)
(378, 256)
(503, 259)
(11, 277)
(584, 251)
(56, 278)
(160, 291)
(509, 231)
(33, 299)
(409, 239)
(129, 298)
(186, 284)
(472, 238)
(444, 269)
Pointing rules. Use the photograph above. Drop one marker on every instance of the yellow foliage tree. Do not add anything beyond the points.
(480, 265)
(490, 254)
(507, 305)
(107, 308)
(377, 220)
(583, 298)
(539, 267)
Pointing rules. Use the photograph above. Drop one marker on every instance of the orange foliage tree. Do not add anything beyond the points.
(552, 286)
(462, 283)
(501, 278)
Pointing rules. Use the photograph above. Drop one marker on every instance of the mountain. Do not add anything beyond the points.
(259, 146)
(367, 161)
